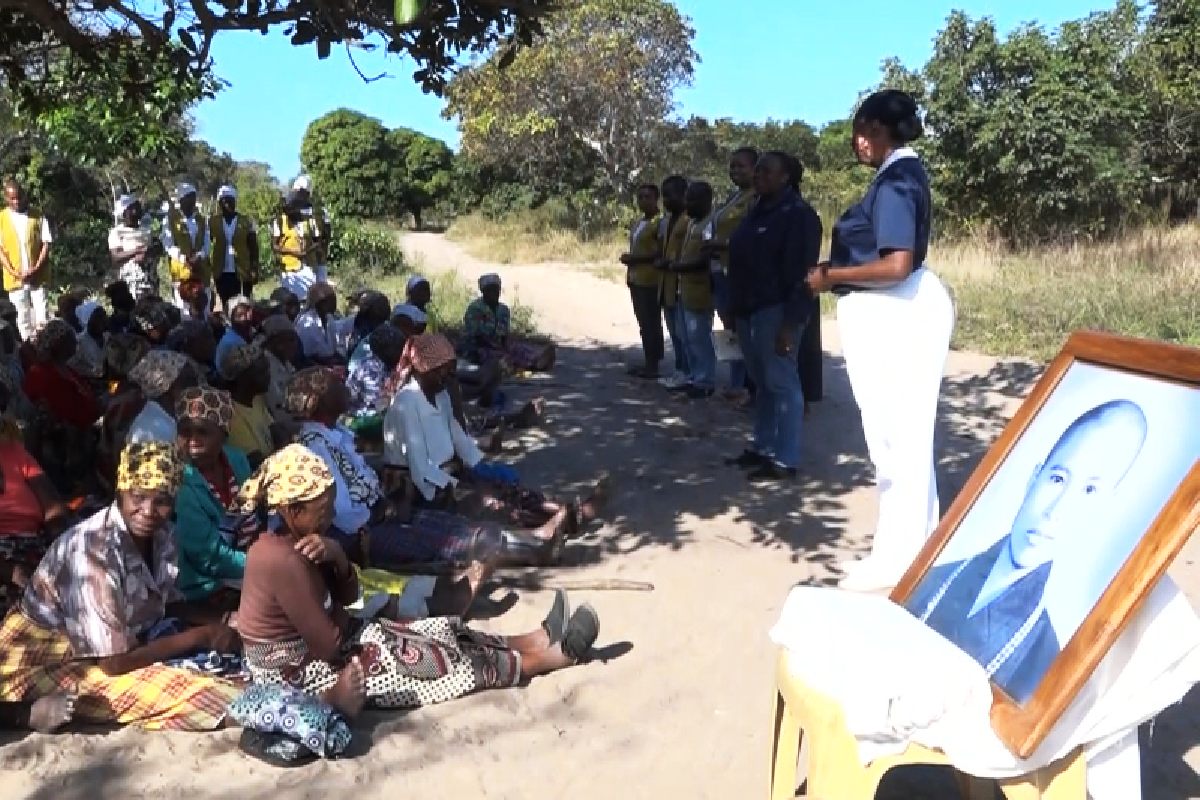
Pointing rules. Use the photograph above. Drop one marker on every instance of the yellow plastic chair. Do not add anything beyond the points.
(835, 772)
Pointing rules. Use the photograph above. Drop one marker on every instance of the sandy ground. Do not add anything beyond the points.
(678, 703)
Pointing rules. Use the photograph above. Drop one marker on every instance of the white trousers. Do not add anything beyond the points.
(298, 282)
(31, 309)
(895, 342)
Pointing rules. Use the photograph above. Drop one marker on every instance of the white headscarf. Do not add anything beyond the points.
(302, 184)
(226, 191)
(410, 311)
(123, 203)
(414, 282)
(183, 190)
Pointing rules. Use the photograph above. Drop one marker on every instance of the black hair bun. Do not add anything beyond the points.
(896, 111)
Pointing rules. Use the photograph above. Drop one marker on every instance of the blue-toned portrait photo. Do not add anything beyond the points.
(1063, 513)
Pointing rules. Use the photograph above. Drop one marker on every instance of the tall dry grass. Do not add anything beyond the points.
(1146, 283)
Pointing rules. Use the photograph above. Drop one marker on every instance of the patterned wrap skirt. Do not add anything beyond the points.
(407, 665)
(36, 662)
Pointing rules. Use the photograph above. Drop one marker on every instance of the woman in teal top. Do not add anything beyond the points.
(211, 538)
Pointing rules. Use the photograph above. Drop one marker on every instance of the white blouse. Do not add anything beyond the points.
(425, 437)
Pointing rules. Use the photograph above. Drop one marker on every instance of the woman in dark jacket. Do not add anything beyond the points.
(770, 254)
(809, 355)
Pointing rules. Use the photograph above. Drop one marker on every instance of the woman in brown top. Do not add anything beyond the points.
(296, 629)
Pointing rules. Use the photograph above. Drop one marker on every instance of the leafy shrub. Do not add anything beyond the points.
(360, 252)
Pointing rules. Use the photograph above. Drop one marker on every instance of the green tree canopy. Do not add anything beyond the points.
(423, 171)
(586, 104)
(349, 158)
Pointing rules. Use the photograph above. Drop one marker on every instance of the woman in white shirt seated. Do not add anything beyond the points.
(386, 532)
(421, 432)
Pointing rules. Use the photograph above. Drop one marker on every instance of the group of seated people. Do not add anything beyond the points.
(228, 485)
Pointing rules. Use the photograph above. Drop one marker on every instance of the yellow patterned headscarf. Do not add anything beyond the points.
(294, 474)
(149, 467)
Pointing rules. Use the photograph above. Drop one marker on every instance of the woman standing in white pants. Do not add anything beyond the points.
(895, 318)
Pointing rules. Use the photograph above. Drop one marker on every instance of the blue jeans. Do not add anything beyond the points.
(702, 358)
(676, 327)
(779, 402)
(737, 369)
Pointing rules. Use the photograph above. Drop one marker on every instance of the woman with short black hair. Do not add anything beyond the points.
(895, 318)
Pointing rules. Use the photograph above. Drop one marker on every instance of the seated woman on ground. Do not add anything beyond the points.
(83, 623)
(253, 430)
(31, 515)
(422, 433)
(280, 344)
(90, 337)
(65, 407)
(124, 402)
(384, 347)
(297, 632)
(195, 339)
(387, 532)
(161, 375)
(152, 319)
(212, 535)
(487, 333)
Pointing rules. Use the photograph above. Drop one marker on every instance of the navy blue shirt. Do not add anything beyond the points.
(894, 214)
(770, 254)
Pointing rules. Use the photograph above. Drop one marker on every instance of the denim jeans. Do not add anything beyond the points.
(676, 327)
(778, 403)
(737, 369)
(702, 358)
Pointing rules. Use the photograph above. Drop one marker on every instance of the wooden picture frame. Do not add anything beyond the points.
(1175, 372)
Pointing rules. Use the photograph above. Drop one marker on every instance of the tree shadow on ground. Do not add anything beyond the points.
(666, 456)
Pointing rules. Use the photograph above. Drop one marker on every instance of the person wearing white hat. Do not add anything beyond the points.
(24, 252)
(233, 248)
(409, 319)
(312, 209)
(133, 248)
(487, 333)
(295, 241)
(185, 238)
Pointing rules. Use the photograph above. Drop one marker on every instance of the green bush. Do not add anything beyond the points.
(360, 253)
(80, 251)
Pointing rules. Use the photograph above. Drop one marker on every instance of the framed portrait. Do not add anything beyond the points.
(1069, 521)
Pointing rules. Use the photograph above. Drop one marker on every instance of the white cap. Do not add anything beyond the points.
(227, 191)
(302, 184)
(412, 312)
(184, 189)
(414, 282)
(123, 202)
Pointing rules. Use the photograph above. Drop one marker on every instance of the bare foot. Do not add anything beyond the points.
(477, 574)
(530, 413)
(494, 442)
(21, 576)
(594, 506)
(50, 713)
(349, 694)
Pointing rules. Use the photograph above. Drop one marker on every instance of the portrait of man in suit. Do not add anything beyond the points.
(991, 604)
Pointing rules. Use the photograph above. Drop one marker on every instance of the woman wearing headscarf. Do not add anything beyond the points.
(487, 333)
(253, 430)
(316, 325)
(421, 432)
(31, 514)
(297, 631)
(280, 344)
(418, 293)
(161, 375)
(366, 380)
(194, 338)
(373, 310)
(895, 318)
(211, 533)
(90, 337)
(134, 248)
(122, 352)
(85, 621)
(65, 407)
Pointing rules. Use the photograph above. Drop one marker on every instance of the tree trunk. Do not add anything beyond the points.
(416, 215)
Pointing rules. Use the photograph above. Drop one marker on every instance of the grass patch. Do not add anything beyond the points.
(1146, 283)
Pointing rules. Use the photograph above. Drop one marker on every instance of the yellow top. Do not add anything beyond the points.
(182, 238)
(672, 231)
(11, 244)
(240, 247)
(295, 238)
(250, 430)
(695, 288)
(726, 219)
(643, 242)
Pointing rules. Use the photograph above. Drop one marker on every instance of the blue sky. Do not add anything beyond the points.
(789, 59)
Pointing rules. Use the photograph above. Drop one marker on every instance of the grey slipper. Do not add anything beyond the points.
(556, 622)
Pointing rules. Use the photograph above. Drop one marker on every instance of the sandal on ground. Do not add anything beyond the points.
(747, 460)
(582, 633)
(559, 618)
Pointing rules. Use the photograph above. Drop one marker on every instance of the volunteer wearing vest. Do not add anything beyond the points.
(133, 247)
(233, 249)
(185, 238)
(895, 318)
(302, 189)
(24, 249)
(671, 231)
(696, 307)
(294, 239)
(642, 280)
(724, 222)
